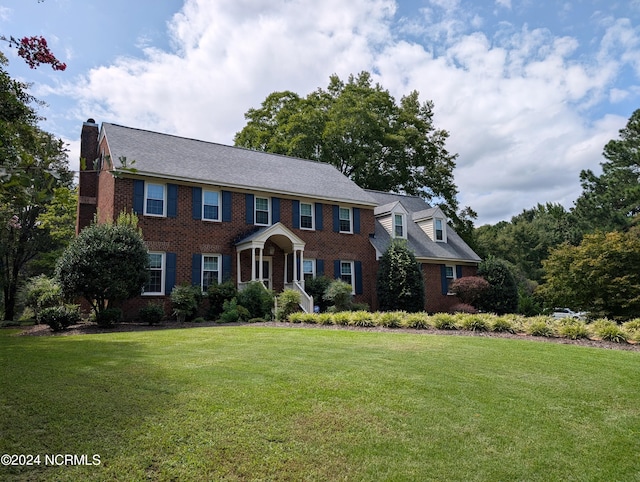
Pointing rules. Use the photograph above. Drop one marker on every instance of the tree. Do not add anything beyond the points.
(502, 295)
(33, 164)
(359, 128)
(611, 201)
(600, 275)
(399, 283)
(35, 51)
(106, 263)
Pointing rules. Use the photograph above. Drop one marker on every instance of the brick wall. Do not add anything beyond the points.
(435, 301)
(185, 236)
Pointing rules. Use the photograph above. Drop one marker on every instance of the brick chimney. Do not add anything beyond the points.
(88, 177)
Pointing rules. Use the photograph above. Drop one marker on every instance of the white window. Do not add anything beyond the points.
(451, 276)
(155, 285)
(211, 205)
(155, 199)
(309, 269)
(262, 211)
(306, 216)
(398, 226)
(211, 272)
(345, 220)
(439, 228)
(346, 273)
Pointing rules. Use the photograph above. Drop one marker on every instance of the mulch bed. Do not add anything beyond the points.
(92, 328)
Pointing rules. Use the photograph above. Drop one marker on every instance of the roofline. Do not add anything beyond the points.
(449, 260)
(241, 187)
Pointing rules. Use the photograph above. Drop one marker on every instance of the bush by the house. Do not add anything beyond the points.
(217, 295)
(107, 317)
(59, 317)
(540, 327)
(184, 301)
(233, 312)
(474, 323)
(106, 263)
(572, 329)
(470, 289)
(609, 331)
(152, 313)
(257, 300)
(399, 283)
(338, 294)
(288, 302)
(444, 321)
(501, 324)
(316, 288)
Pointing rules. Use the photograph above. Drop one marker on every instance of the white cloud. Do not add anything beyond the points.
(512, 103)
(504, 3)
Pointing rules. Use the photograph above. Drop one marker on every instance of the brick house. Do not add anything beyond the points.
(210, 212)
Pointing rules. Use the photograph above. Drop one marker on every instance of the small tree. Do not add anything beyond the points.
(257, 300)
(399, 284)
(470, 289)
(316, 287)
(105, 264)
(502, 295)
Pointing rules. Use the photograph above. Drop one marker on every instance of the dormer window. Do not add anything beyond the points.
(398, 226)
(439, 229)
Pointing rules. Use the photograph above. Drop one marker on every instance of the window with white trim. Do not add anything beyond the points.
(309, 269)
(346, 274)
(155, 285)
(211, 205)
(155, 196)
(451, 276)
(306, 215)
(345, 219)
(439, 229)
(262, 211)
(211, 272)
(398, 226)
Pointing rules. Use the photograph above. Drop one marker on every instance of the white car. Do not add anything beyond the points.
(559, 313)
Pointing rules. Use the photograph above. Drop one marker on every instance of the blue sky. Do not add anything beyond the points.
(529, 90)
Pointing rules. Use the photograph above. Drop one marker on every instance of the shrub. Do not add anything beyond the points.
(474, 323)
(399, 282)
(288, 302)
(573, 329)
(470, 289)
(217, 295)
(444, 321)
(257, 300)
(297, 317)
(233, 312)
(105, 263)
(60, 317)
(42, 292)
(341, 318)
(324, 319)
(199, 319)
(339, 294)
(609, 331)
(256, 320)
(632, 328)
(501, 324)
(502, 296)
(152, 313)
(107, 317)
(316, 287)
(391, 319)
(362, 318)
(184, 301)
(416, 320)
(540, 328)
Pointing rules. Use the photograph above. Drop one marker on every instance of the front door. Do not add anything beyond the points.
(266, 271)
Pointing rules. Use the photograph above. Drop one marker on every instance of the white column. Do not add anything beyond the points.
(295, 266)
(239, 271)
(286, 265)
(253, 263)
(260, 267)
(301, 267)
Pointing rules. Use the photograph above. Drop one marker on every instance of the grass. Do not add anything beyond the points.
(259, 403)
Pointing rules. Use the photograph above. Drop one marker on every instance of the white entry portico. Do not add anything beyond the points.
(293, 249)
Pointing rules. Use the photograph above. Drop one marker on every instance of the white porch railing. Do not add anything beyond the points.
(306, 301)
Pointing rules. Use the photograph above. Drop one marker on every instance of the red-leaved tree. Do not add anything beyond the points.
(35, 51)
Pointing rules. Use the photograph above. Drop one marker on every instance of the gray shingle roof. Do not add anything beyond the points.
(180, 158)
(423, 247)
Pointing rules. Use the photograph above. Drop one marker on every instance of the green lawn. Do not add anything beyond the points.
(261, 403)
